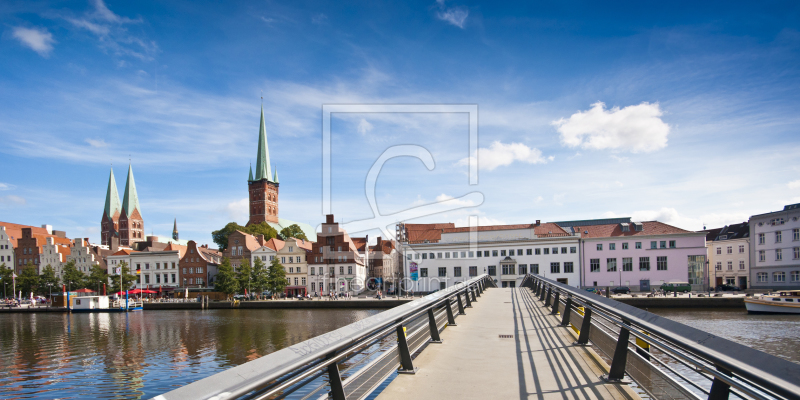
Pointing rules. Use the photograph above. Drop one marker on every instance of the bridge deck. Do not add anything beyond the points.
(538, 362)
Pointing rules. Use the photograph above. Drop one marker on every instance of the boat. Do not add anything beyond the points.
(786, 302)
(98, 304)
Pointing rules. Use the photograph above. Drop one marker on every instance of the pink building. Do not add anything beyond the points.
(641, 255)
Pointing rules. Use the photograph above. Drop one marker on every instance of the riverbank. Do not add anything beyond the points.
(683, 302)
(267, 305)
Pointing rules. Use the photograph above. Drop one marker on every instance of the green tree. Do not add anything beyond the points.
(221, 236)
(276, 277)
(293, 231)
(48, 281)
(5, 276)
(262, 229)
(243, 276)
(97, 277)
(259, 275)
(226, 281)
(70, 275)
(28, 280)
(128, 279)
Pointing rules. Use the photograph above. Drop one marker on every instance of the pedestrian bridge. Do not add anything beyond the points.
(473, 340)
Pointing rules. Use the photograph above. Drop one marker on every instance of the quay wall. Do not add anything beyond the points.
(683, 302)
(280, 305)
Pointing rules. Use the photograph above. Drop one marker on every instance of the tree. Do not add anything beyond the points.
(97, 277)
(5, 275)
(259, 275)
(221, 236)
(226, 279)
(71, 277)
(243, 275)
(28, 280)
(48, 281)
(276, 277)
(293, 231)
(128, 279)
(262, 229)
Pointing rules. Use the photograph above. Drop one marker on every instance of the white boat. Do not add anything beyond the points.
(84, 304)
(786, 302)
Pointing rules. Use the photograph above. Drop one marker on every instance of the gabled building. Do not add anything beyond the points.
(267, 252)
(54, 255)
(729, 255)
(335, 263)
(199, 265)
(240, 247)
(293, 256)
(6, 249)
(384, 261)
(30, 241)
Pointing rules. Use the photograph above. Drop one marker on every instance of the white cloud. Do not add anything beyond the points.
(794, 184)
(672, 217)
(634, 128)
(364, 126)
(620, 159)
(452, 200)
(13, 200)
(539, 199)
(499, 154)
(319, 19)
(558, 199)
(7, 186)
(112, 34)
(456, 16)
(238, 210)
(97, 143)
(482, 221)
(38, 40)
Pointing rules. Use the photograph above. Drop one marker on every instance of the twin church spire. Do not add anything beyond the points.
(122, 221)
(130, 201)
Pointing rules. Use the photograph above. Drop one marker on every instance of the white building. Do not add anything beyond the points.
(6, 249)
(335, 262)
(293, 256)
(83, 254)
(54, 255)
(155, 268)
(437, 256)
(775, 249)
(729, 255)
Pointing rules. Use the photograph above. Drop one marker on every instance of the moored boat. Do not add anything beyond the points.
(786, 302)
(97, 304)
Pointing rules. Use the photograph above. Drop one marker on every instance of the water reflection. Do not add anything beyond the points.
(139, 355)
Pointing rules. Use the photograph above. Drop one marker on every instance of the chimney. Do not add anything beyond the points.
(329, 219)
(538, 222)
(379, 242)
(260, 239)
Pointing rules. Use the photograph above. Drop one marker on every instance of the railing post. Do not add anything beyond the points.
(472, 290)
(478, 289)
(460, 305)
(434, 329)
(549, 295)
(406, 365)
(617, 371)
(555, 304)
(337, 390)
(466, 296)
(567, 312)
(451, 320)
(719, 389)
(543, 293)
(586, 326)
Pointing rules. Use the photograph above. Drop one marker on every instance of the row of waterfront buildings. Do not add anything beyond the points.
(763, 253)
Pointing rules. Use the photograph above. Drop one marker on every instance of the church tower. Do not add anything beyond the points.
(263, 187)
(110, 220)
(175, 230)
(131, 223)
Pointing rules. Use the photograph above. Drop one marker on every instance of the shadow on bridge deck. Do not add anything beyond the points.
(538, 362)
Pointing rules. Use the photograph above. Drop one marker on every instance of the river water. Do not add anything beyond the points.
(143, 354)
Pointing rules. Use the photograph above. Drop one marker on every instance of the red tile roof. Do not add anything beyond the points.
(615, 230)
(386, 246)
(275, 244)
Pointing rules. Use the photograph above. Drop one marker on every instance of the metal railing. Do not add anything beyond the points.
(347, 363)
(666, 359)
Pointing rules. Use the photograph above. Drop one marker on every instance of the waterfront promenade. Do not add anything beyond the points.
(477, 360)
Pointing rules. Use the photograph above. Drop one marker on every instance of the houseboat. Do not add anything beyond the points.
(786, 302)
(96, 304)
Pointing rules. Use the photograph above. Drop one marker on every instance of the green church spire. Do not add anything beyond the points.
(263, 170)
(275, 177)
(250, 178)
(112, 196)
(130, 200)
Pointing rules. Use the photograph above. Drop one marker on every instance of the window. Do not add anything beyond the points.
(480, 254)
(546, 251)
(423, 272)
(158, 278)
(730, 265)
(718, 266)
(778, 255)
(473, 271)
(523, 269)
(283, 260)
(644, 263)
(612, 246)
(146, 265)
(147, 279)
(761, 239)
(350, 269)
(297, 259)
(671, 244)
(730, 249)
(508, 269)
(762, 276)
(447, 254)
(627, 264)
(555, 268)
(502, 253)
(795, 276)
(535, 269)
(494, 253)
(313, 286)
(741, 248)
(795, 235)
(796, 253)
(661, 263)
(573, 250)
(741, 264)
(762, 255)
(158, 265)
(339, 249)
(778, 236)
(529, 252)
(663, 244)
(492, 270)
(638, 245)
(313, 270)
(291, 270)
(625, 246)
(442, 271)
(594, 265)
(555, 250)
(471, 254)
(519, 252)
(779, 276)
(654, 245)
(341, 269)
(537, 251)
(599, 247)
(438, 255)
(563, 250)
(569, 267)
(611, 264)
(173, 278)
(456, 271)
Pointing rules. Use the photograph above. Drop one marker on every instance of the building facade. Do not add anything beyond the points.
(293, 255)
(437, 256)
(154, 269)
(729, 255)
(642, 255)
(240, 247)
(6, 249)
(54, 255)
(199, 265)
(335, 263)
(775, 249)
(384, 261)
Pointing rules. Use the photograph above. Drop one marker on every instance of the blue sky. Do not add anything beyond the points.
(684, 112)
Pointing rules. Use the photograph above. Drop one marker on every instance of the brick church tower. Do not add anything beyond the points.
(109, 224)
(263, 188)
(131, 223)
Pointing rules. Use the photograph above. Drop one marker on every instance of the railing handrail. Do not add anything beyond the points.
(257, 374)
(773, 373)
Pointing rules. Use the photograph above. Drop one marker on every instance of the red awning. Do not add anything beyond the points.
(85, 291)
(137, 291)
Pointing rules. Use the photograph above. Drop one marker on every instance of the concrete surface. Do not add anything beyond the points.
(539, 362)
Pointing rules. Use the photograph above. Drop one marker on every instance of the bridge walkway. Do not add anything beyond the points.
(476, 361)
